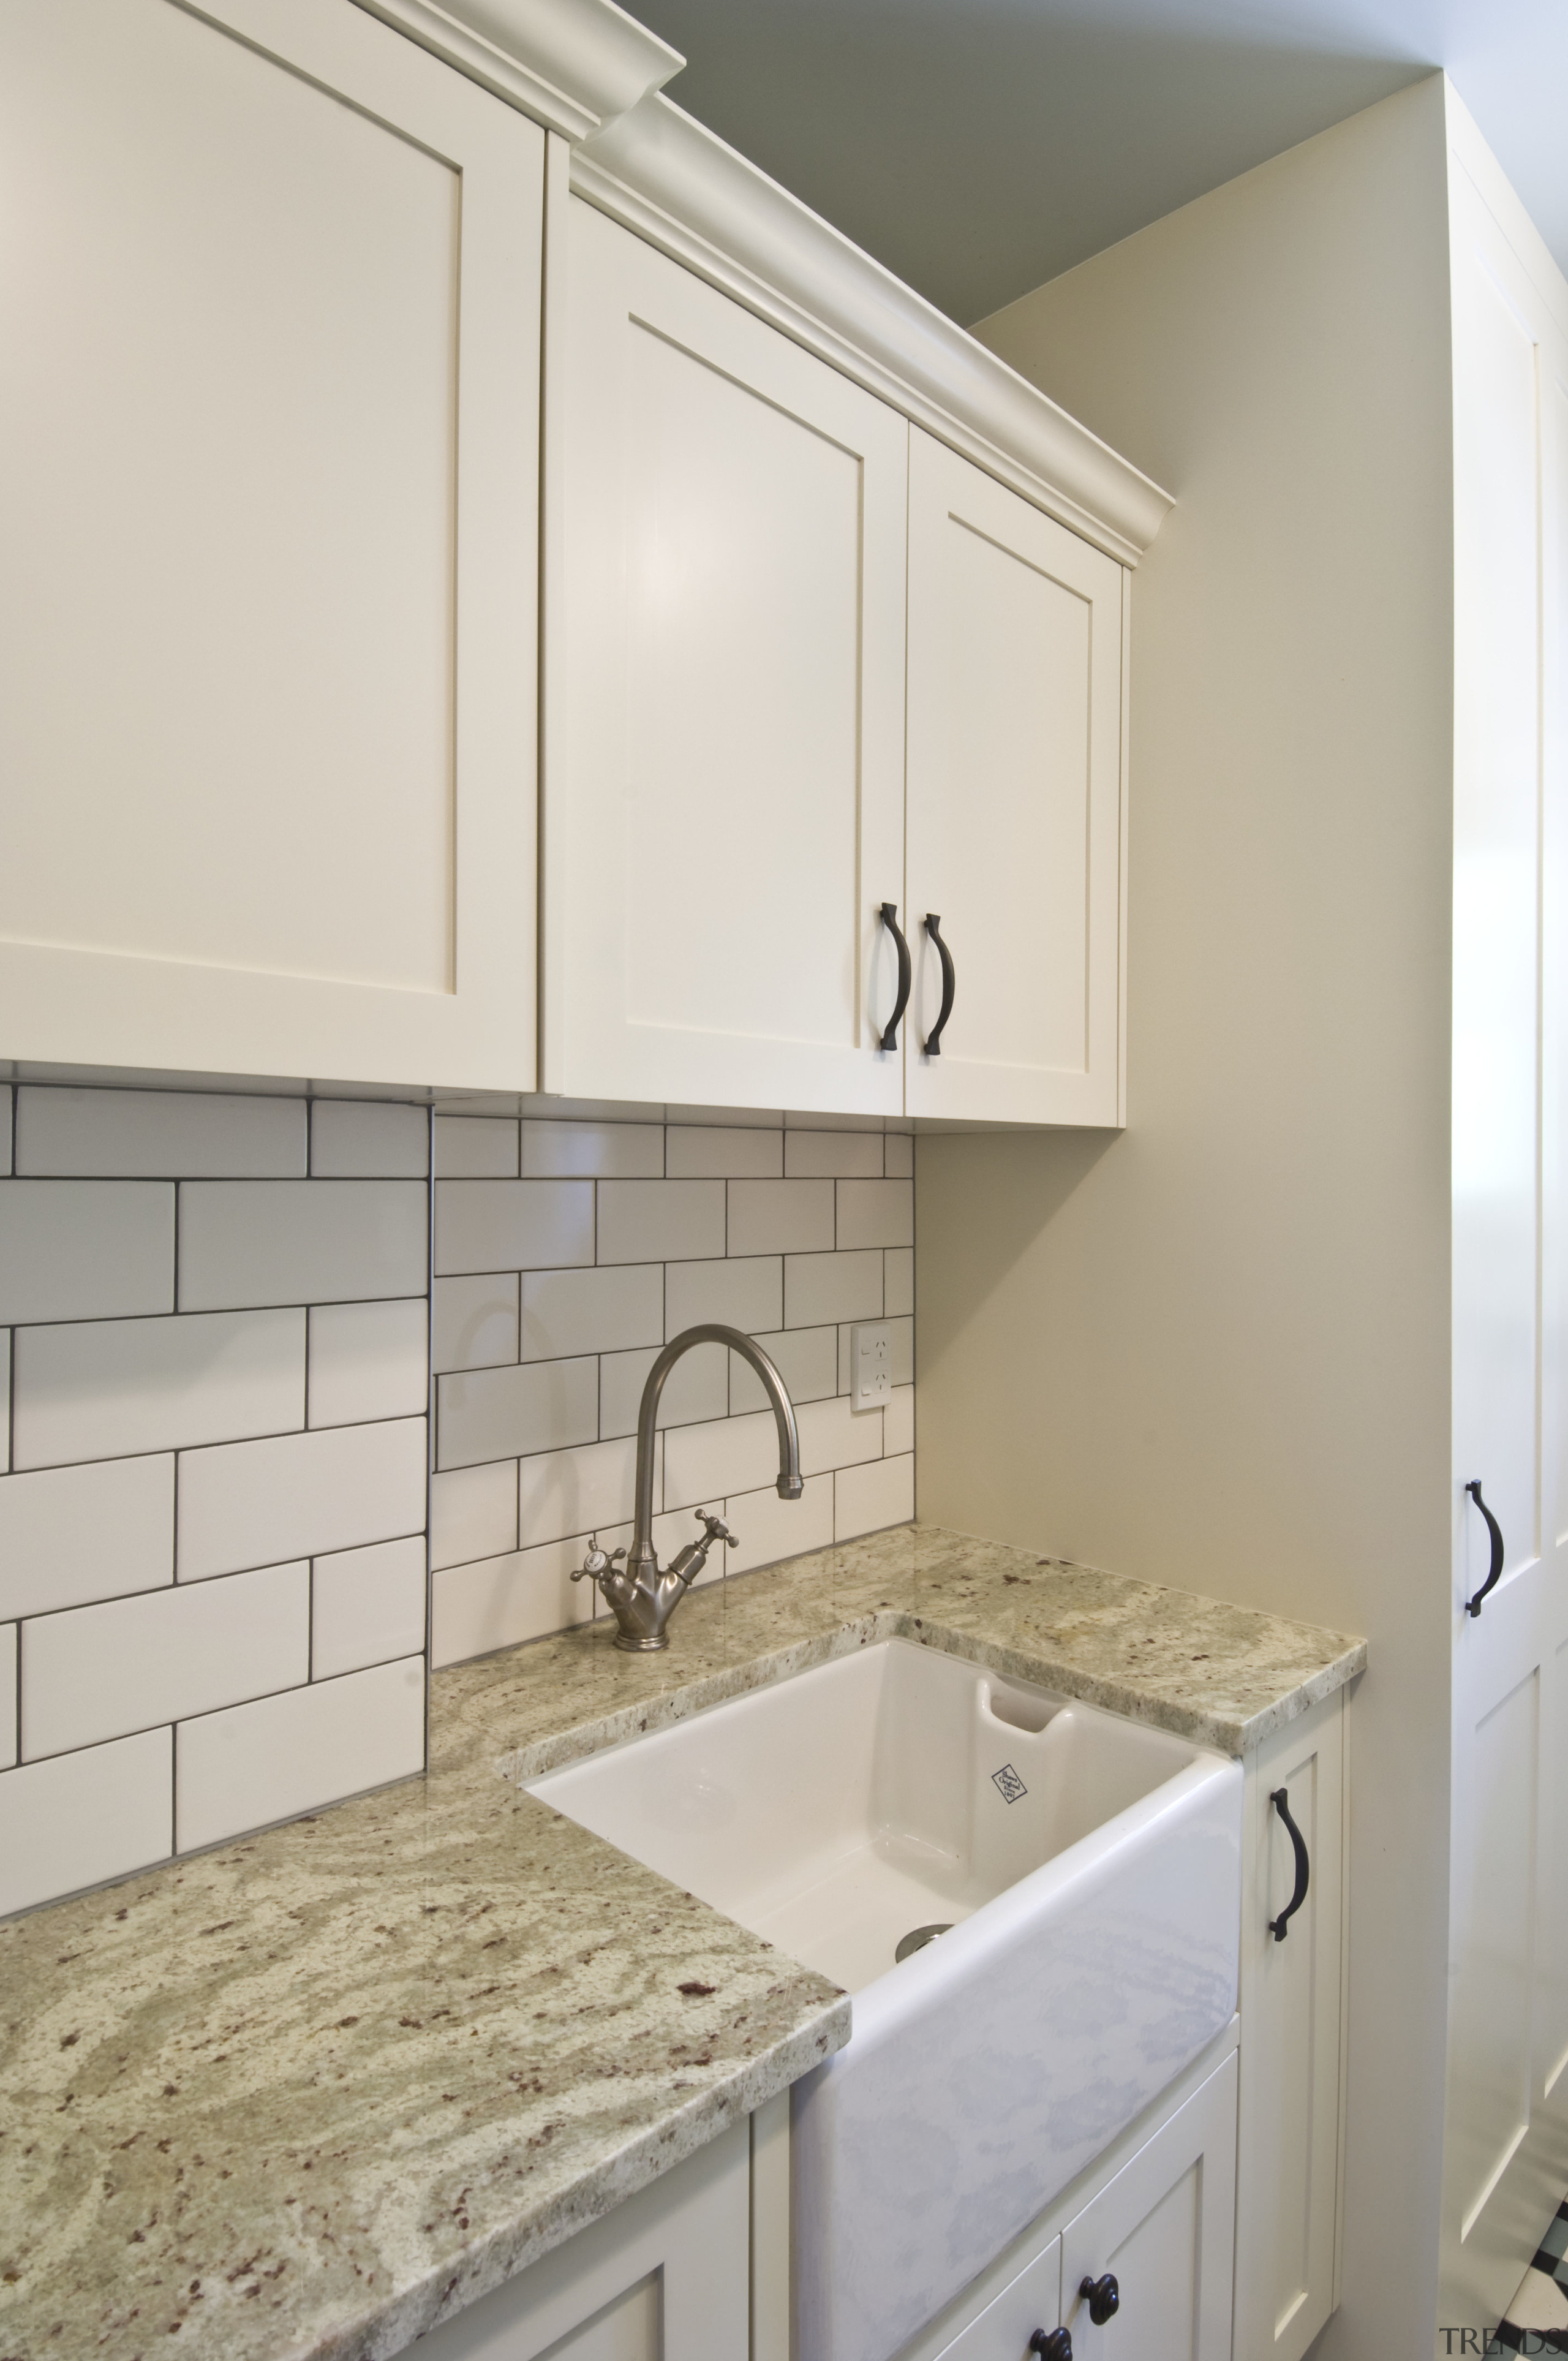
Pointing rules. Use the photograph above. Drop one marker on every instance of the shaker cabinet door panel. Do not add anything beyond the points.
(269, 465)
(1291, 2053)
(1015, 805)
(1164, 2231)
(724, 723)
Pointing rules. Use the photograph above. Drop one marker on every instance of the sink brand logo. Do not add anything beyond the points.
(1008, 1784)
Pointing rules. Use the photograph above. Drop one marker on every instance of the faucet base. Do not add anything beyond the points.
(640, 1644)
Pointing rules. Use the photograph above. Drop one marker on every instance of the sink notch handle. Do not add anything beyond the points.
(1279, 1927)
(1473, 1605)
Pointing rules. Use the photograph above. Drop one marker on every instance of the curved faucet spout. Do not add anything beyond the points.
(641, 1563)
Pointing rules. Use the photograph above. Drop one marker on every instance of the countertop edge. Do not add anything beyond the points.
(1224, 1733)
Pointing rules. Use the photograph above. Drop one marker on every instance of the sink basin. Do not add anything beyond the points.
(1089, 1870)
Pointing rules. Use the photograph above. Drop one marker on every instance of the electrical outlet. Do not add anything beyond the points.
(871, 1365)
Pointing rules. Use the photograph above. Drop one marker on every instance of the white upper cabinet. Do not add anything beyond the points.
(1014, 811)
(723, 785)
(269, 466)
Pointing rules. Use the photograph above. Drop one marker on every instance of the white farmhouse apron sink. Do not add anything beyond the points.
(1090, 1872)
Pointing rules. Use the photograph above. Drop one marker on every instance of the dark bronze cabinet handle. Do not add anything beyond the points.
(934, 1039)
(1103, 2297)
(1051, 2344)
(1473, 1605)
(1279, 1927)
(890, 1030)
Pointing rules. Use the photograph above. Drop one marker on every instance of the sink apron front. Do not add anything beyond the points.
(989, 2070)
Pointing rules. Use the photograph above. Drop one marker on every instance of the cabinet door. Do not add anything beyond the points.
(1288, 2179)
(268, 469)
(1003, 2330)
(1164, 2230)
(663, 2278)
(1015, 816)
(1506, 2133)
(724, 717)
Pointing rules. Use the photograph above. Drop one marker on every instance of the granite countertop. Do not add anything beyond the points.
(311, 2092)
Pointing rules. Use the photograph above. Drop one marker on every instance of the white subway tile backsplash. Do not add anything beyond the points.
(101, 1389)
(769, 1528)
(901, 1351)
(819, 1288)
(868, 1498)
(498, 1413)
(283, 1756)
(660, 1221)
(513, 1225)
(780, 1216)
(832, 1154)
(580, 1491)
(704, 1152)
(259, 1503)
(473, 1320)
(599, 1310)
(732, 1454)
(834, 1435)
(806, 1359)
(593, 1151)
(876, 1212)
(366, 1607)
(166, 1135)
(473, 1512)
(475, 1147)
(86, 1249)
(495, 1602)
(696, 1388)
(367, 1360)
(101, 1672)
(250, 1242)
(7, 1695)
(81, 1819)
(72, 1534)
(218, 1389)
(747, 1293)
(371, 1139)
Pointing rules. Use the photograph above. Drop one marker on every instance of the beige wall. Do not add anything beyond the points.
(1213, 1350)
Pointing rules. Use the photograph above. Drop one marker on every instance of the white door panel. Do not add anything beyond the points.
(724, 795)
(1015, 802)
(268, 458)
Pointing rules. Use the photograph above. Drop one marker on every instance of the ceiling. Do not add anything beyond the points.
(980, 147)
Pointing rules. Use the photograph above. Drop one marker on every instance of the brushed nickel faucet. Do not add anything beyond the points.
(640, 1598)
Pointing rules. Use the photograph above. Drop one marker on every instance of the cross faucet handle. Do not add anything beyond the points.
(718, 1531)
(597, 1562)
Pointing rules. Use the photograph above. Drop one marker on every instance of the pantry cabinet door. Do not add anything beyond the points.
(1291, 2054)
(1163, 2229)
(269, 306)
(1506, 2133)
(1016, 804)
(724, 711)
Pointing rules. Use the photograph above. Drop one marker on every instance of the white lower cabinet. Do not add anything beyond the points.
(665, 2277)
(1157, 2241)
(1291, 2061)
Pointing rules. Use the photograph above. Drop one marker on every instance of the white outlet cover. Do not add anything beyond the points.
(871, 1365)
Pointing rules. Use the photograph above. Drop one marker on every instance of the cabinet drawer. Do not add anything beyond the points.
(1004, 2329)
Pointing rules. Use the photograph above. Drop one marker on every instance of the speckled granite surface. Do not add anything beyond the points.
(310, 2093)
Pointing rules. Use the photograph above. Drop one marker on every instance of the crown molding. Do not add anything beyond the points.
(573, 65)
(664, 176)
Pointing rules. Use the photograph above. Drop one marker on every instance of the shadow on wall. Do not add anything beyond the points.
(986, 1235)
